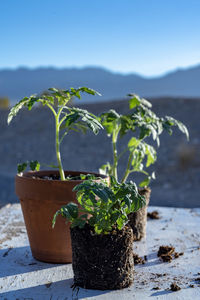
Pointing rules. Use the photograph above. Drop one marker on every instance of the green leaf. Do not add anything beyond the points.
(146, 102)
(55, 217)
(110, 121)
(126, 125)
(105, 169)
(89, 119)
(78, 222)
(53, 89)
(72, 209)
(134, 101)
(22, 167)
(144, 132)
(133, 143)
(151, 155)
(180, 126)
(89, 91)
(15, 109)
(34, 165)
(127, 200)
(145, 182)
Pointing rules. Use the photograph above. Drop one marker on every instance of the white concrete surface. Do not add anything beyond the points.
(22, 277)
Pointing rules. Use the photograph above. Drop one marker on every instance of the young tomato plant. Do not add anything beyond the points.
(142, 123)
(107, 206)
(66, 118)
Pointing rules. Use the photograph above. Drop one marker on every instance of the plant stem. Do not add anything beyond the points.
(62, 174)
(127, 171)
(57, 140)
(115, 157)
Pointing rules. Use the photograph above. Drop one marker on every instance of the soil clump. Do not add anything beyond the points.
(138, 260)
(174, 287)
(154, 215)
(167, 253)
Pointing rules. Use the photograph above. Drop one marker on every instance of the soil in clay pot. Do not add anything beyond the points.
(102, 261)
(138, 220)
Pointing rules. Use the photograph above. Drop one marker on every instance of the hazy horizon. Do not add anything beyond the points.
(26, 67)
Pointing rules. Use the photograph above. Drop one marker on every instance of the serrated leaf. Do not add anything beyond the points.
(89, 119)
(89, 91)
(16, 108)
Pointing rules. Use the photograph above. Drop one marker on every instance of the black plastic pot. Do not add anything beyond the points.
(138, 219)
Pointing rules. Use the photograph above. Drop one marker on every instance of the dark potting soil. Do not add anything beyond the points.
(102, 261)
(138, 219)
(57, 177)
(154, 215)
(174, 287)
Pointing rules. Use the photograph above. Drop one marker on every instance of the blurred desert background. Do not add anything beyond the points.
(150, 48)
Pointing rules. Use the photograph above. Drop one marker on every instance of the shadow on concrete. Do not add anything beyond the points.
(152, 260)
(160, 293)
(19, 260)
(60, 290)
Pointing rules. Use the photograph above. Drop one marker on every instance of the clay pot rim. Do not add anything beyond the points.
(29, 175)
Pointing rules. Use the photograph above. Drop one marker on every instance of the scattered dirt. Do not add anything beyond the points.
(160, 275)
(174, 287)
(154, 215)
(138, 260)
(167, 253)
(166, 258)
(197, 279)
(177, 254)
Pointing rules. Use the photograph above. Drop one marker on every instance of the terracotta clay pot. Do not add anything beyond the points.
(138, 220)
(40, 199)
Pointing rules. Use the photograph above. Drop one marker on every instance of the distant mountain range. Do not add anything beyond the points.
(21, 82)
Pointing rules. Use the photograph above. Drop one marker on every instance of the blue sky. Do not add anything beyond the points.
(149, 37)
